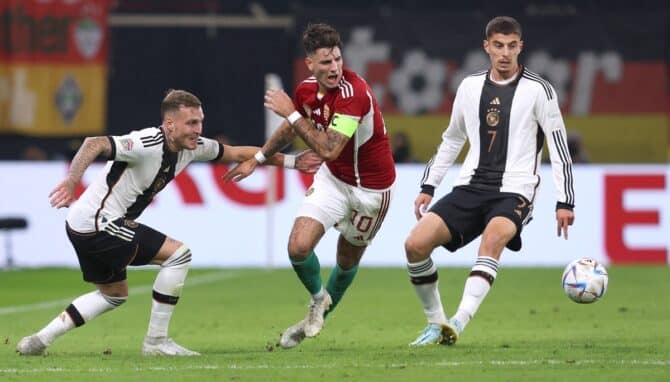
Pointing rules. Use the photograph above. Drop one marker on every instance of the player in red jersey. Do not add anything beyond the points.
(335, 112)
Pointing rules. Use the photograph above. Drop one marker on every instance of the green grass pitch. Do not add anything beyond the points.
(525, 330)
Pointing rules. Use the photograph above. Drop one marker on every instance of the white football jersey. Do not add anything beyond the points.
(505, 126)
(142, 165)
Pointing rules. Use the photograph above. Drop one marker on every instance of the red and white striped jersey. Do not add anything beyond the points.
(366, 161)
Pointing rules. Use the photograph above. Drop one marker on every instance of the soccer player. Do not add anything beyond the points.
(505, 113)
(335, 112)
(102, 228)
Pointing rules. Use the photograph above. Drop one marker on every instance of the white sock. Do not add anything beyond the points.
(423, 275)
(166, 291)
(476, 288)
(56, 328)
(319, 295)
(83, 309)
(160, 319)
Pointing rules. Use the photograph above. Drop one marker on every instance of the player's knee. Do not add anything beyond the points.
(494, 242)
(180, 258)
(299, 249)
(416, 250)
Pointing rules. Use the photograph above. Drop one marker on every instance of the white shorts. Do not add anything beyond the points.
(356, 213)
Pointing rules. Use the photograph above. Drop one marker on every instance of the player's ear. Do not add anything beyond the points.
(168, 123)
(485, 44)
(309, 62)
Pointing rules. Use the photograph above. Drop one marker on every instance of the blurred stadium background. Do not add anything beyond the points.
(73, 68)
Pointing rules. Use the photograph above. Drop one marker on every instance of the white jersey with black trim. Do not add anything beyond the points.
(141, 166)
(505, 126)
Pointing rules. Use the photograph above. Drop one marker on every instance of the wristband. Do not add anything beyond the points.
(289, 161)
(293, 117)
(260, 157)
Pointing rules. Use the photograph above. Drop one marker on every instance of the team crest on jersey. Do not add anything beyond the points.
(310, 191)
(493, 117)
(126, 144)
(326, 112)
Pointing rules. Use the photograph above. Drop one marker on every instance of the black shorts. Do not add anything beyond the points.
(466, 212)
(104, 256)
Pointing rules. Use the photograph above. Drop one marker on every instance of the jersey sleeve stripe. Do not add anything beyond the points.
(152, 140)
(534, 77)
(347, 88)
(151, 137)
(562, 149)
(426, 171)
(154, 143)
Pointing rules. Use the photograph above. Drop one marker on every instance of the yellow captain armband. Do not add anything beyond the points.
(344, 124)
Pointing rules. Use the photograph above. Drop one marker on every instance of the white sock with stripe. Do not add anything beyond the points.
(476, 288)
(166, 291)
(423, 276)
(83, 309)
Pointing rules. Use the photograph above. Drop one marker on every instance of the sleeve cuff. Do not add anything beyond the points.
(564, 206)
(428, 189)
(112, 155)
(219, 155)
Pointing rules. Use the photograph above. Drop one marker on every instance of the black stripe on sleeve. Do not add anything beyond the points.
(563, 153)
(112, 156)
(220, 154)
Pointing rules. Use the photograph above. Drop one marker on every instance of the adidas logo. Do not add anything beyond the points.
(495, 101)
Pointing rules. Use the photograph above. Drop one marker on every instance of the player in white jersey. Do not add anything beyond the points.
(335, 112)
(102, 228)
(504, 113)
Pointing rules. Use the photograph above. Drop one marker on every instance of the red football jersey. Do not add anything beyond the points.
(366, 161)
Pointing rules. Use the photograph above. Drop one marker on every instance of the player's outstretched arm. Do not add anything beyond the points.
(63, 194)
(328, 144)
(564, 219)
(306, 161)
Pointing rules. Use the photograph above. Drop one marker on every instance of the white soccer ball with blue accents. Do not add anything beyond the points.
(585, 281)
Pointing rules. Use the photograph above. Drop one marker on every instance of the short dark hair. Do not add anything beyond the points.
(174, 99)
(318, 36)
(502, 24)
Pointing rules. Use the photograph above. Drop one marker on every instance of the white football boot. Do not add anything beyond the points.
(293, 336)
(314, 319)
(31, 345)
(164, 346)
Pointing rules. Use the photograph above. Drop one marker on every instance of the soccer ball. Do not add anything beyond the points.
(585, 281)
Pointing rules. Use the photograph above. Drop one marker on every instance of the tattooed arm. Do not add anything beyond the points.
(281, 138)
(328, 144)
(63, 194)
